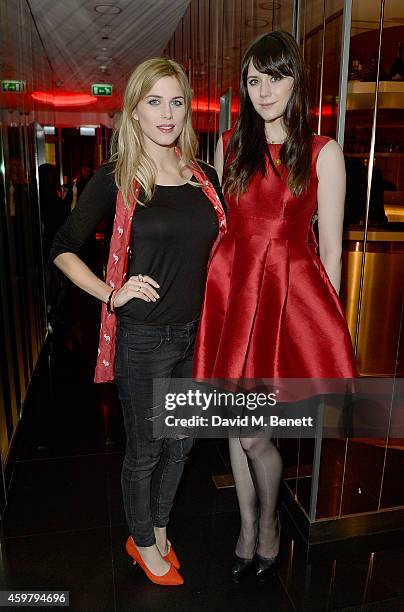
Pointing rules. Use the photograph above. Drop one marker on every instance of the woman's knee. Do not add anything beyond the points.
(248, 444)
(253, 446)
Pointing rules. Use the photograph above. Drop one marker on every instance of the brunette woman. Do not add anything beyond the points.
(271, 306)
(154, 287)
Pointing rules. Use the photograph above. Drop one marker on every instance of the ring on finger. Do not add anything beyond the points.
(140, 277)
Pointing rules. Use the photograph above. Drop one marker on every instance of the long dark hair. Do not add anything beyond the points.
(278, 55)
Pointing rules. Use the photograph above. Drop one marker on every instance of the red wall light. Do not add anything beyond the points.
(203, 105)
(63, 99)
(326, 110)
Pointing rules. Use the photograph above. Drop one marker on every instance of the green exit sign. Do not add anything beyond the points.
(101, 89)
(11, 86)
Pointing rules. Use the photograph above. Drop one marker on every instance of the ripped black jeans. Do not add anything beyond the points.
(153, 466)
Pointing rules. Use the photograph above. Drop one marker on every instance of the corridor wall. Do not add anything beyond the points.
(22, 297)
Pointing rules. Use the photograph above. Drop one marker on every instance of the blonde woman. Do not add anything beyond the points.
(168, 218)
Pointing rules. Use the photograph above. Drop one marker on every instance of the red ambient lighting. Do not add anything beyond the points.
(326, 110)
(203, 105)
(63, 99)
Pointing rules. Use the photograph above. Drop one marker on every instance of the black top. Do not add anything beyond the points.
(171, 240)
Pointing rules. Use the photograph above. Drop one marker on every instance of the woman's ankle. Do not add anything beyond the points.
(147, 549)
(247, 541)
(160, 534)
(268, 539)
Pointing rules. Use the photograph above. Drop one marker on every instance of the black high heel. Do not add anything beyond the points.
(240, 568)
(265, 567)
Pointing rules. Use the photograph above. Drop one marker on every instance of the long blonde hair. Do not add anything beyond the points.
(128, 153)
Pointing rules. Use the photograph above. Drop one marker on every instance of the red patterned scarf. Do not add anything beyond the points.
(118, 264)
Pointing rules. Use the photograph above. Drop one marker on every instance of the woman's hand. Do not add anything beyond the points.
(140, 287)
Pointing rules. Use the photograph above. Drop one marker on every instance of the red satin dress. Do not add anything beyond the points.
(270, 310)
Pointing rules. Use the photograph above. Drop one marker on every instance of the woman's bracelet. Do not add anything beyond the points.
(110, 302)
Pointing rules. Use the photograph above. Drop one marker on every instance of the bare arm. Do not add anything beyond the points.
(95, 202)
(81, 275)
(219, 159)
(331, 198)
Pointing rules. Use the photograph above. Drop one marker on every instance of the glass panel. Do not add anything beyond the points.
(392, 493)
(383, 265)
(344, 462)
(331, 477)
(22, 304)
(388, 202)
(373, 261)
(313, 58)
(320, 38)
(388, 177)
(290, 452)
(304, 472)
(210, 41)
(331, 68)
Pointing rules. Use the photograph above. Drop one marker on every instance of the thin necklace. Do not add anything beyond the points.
(277, 161)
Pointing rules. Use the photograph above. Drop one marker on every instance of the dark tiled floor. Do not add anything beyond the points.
(64, 527)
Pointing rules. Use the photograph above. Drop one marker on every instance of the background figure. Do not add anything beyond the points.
(67, 191)
(356, 188)
(83, 176)
(54, 211)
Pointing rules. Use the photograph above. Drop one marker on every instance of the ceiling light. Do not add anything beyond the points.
(256, 22)
(204, 105)
(103, 58)
(107, 9)
(63, 99)
(86, 130)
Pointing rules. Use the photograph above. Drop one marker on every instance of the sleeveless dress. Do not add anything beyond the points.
(270, 310)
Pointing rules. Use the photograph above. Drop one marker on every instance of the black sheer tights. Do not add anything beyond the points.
(257, 470)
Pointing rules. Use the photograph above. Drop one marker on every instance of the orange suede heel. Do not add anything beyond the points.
(171, 557)
(171, 578)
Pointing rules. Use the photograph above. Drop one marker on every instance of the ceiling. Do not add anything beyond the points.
(93, 41)
(96, 41)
